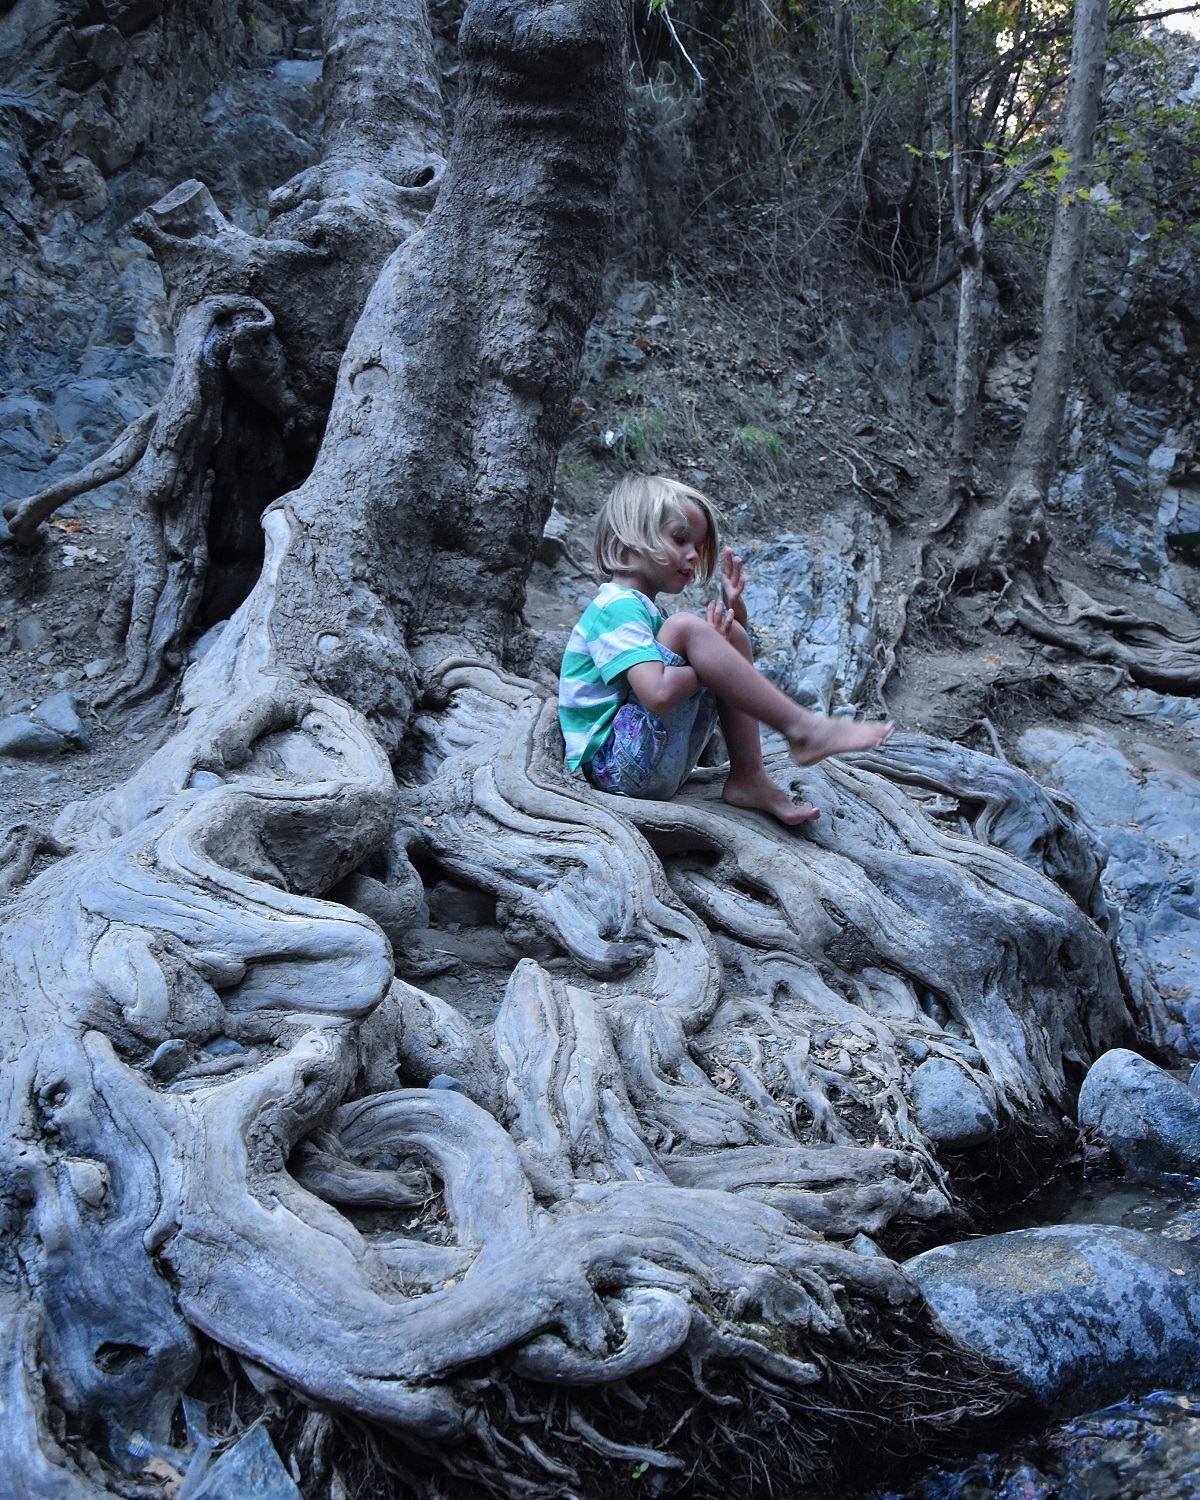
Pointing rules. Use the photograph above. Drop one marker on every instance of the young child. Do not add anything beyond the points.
(639, 695)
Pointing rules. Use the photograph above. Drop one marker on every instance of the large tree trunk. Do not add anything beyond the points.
(660, 1144)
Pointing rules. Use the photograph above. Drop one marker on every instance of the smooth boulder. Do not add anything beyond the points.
(1084, 1313)
(1151, 1119)
(949, 1106)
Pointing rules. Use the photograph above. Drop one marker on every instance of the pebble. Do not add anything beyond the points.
(97, 668)
(61, 714)
(31, 633)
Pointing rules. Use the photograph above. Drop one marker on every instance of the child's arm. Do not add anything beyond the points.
(659, 687)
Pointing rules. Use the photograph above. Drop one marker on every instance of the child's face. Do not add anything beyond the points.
(683, 534)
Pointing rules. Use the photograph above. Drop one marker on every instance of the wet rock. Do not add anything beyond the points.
(949, 1106)
(1151, 1119)
(61, 714)
(1085, 1313)
(20, 736)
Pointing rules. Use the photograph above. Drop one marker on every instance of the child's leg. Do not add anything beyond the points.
(748, 784)
(746, 699)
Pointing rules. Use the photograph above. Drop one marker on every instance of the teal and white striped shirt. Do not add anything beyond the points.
(618, 630)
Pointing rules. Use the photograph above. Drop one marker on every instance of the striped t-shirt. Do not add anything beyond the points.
(617, 631)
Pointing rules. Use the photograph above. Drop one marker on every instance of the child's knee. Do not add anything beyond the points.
(676, 631)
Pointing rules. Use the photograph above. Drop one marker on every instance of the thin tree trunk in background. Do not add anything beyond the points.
(1037, 450)
(969, 360)
(967, 372)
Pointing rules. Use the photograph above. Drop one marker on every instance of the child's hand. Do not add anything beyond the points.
(720, 618)
(733, 584)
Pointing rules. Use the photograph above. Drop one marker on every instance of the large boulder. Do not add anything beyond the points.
(949, 1106)
(1152, 1120)
(1084, 1313)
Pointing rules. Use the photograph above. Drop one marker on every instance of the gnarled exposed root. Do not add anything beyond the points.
(851, 941)
(1154, 654)
(25, 516)
(184, 1023)
(172, 490)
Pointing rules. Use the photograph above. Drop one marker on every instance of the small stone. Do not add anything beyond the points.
(46, 658)
(97, 668)
(61, 714)
(445, 1081)
(949, 1106)
(22, 737)
(224, 1046)
(204, 781)
(863, 1244)
(1151, 1119)
(169, 1060)
(637, 300)
(31, 633)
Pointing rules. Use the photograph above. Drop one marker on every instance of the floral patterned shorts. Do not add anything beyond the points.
(649, 756)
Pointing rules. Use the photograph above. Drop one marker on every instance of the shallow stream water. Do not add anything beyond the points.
(1140, 1449)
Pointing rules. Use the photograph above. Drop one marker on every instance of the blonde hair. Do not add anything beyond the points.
(635, 516)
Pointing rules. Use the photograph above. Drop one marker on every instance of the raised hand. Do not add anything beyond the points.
(733, 584)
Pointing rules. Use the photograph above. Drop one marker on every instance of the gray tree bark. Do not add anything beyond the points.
(664, 1148)
(1036, 456)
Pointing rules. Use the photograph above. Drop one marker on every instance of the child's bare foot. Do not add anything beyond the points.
(756, 789)
(816, 736)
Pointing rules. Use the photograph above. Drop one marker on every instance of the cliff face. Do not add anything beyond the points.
(104, 106)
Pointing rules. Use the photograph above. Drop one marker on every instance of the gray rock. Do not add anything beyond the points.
(31, 633)
(949, 1106)
(20, 736)
(250, 1470)
(1085, 1313)
(1152, 1120)
(811, 601)
(637, 300)
(1145, 806)
(60, 713)
(170, 1059)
